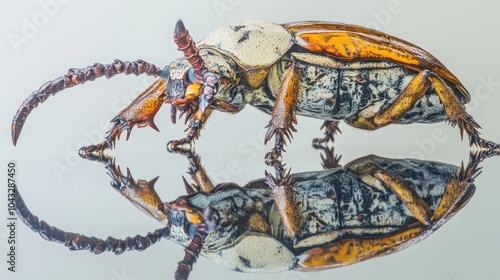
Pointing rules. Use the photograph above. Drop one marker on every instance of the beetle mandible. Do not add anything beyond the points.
(329, 71)
(372, 207)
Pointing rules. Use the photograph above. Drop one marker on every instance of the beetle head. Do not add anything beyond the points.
(181, 92)
(182, 226)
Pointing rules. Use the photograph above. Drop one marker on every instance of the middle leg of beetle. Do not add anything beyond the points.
(413, 92)
(202, 182)
(328, 157)
(281, 125)
(370, 173)
(283, 117)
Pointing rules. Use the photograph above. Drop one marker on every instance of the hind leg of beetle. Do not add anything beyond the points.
(281, 125)
(329, 159)
(140, 112)
(458, 116)
(375, 176)
(458, 185)
(414, 91)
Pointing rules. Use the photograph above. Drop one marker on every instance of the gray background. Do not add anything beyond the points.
(462, 34)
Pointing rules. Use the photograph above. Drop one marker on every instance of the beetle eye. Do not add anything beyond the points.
(165, 73)
(190, 230)
(190, 75)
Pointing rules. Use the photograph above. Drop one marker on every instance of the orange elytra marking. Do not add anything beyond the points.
(353, 250)
(349, 42)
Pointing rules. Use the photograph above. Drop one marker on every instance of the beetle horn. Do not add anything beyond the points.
(186, 44)
(76, 77)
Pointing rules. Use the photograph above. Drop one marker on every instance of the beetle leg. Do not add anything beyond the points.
(283, 117)
(459, 183)
(77, 77)
(281, 125)
(328, 157)
(140, 193)
(376, 177)
(197, 172)
(413, 92)
(417, 206)
(196, 124)
(192, 252)
(329, 160)
(140, 112)
(283, 193)
(458, 116)
(331, 128)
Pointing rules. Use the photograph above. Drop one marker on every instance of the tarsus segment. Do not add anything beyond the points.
(74, 77)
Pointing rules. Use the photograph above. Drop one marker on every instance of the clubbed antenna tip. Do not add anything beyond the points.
(180, 28)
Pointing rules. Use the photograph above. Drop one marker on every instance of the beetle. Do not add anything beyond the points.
(371, 207)
(329, 71)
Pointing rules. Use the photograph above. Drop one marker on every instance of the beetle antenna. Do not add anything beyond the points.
(191, 254)
(193, 250)
(186, 44)
(75, 241)
(77, 76)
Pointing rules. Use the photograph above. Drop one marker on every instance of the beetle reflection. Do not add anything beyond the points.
(371, 207)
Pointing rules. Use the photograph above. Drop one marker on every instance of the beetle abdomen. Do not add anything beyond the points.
(332, 89)
(338, 204)
(368, 92)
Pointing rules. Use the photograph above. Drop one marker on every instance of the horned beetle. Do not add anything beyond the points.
(329, 71)
(372, 207)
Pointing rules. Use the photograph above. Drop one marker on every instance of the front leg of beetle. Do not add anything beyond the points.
(199, 94)
(196, 124)
(140, 112)
(281, 125)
